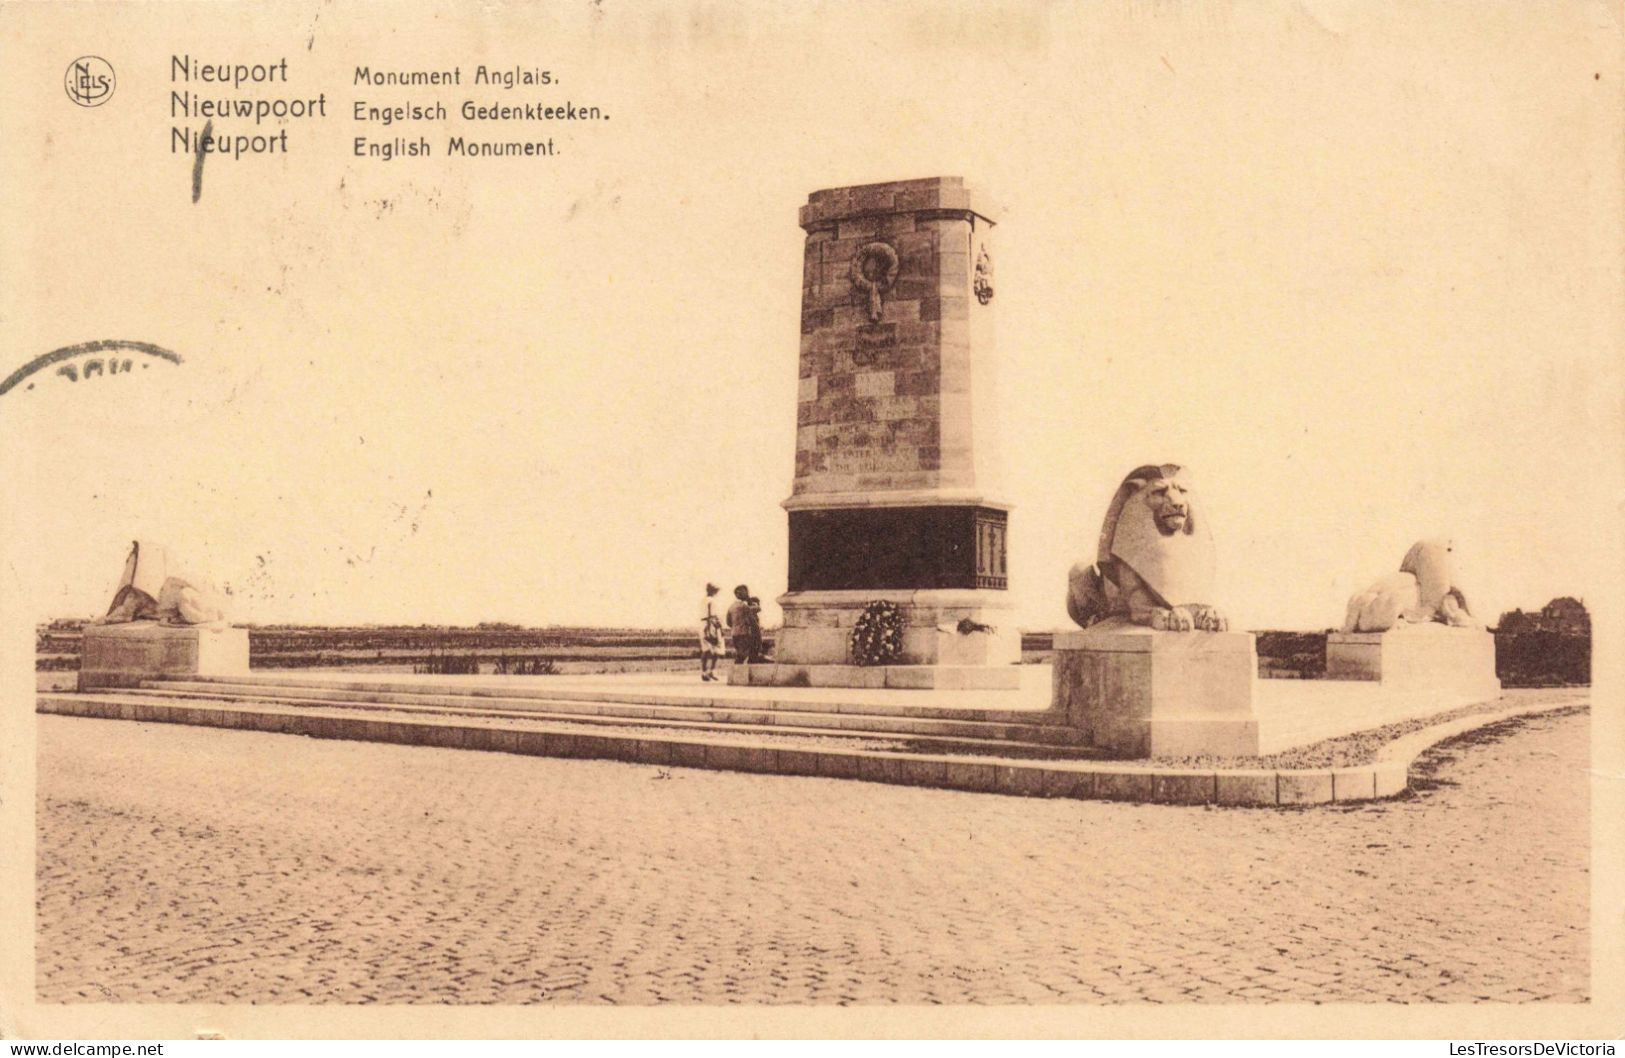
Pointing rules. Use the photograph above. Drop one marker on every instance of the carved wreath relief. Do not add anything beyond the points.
(874, 270)
(982, 284)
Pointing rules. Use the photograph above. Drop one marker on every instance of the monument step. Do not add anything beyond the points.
(834, 724)
(967, 705)
(888, 759)
(223, 711)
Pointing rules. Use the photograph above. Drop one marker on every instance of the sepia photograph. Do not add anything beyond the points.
(811, 520)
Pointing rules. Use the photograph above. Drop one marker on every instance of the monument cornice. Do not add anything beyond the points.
(942, 197)
(812, 501)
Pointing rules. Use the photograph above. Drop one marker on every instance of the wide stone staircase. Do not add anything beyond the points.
(1009, 742)
(636, 723)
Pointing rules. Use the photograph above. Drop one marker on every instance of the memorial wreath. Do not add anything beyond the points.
(877, 636)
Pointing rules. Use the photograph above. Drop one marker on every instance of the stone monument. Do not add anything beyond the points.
(161, 623)
(1155, 671)
(1411, 631)
(895, 496)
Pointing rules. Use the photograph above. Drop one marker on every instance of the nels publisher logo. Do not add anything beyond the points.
(90, 81)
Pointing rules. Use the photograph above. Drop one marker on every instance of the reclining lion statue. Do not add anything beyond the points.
(1155, 561)
(1422, 592)
(151, 589)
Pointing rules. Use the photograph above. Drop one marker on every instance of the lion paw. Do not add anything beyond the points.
(1178, 619)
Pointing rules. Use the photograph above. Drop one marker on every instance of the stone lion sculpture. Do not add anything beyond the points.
(1155, 562)
(151, 589)
(1422, 592)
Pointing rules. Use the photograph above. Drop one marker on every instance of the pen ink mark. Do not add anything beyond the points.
(197, 163)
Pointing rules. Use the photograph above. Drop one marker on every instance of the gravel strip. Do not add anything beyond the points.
(1362, 747)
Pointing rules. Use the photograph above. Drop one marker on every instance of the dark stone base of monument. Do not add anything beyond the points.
(944, 567)
(125, 655)
(863, 548)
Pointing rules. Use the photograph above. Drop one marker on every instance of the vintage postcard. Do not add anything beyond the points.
(812, 519)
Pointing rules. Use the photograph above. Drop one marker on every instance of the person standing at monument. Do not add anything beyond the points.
(744, 626)
(760, 651)
(712, 646)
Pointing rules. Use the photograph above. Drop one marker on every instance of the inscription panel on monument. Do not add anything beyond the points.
(897, 547)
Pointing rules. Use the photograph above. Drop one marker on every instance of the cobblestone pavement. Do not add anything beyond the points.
(189, 864)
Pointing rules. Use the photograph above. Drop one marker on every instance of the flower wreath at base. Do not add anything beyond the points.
(877, 636)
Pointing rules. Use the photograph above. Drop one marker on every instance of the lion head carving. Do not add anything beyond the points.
(1155, 562)
(1169, 503)
(1424, 591)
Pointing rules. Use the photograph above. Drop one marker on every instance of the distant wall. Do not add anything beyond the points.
(1522, 658)
(294, 647)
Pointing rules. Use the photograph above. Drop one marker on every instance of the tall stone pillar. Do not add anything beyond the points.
(896, 494)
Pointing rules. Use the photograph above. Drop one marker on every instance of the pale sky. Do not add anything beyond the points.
(1354, 265)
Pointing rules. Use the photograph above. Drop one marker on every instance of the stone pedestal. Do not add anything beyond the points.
(1457, 664)
(818, 625)
(123, 655)
(895, 495)
(1142, 693)
(812, 646)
